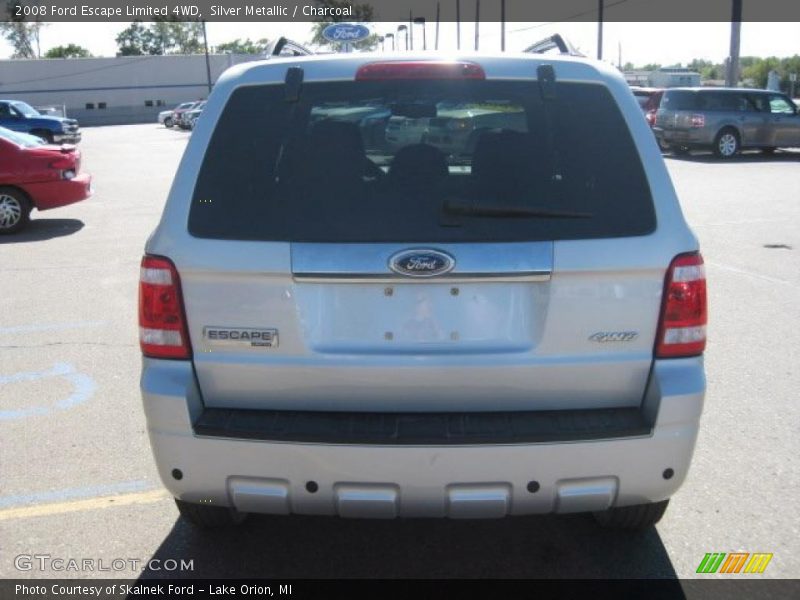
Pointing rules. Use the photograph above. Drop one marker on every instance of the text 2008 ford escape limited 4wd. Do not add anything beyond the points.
(335, 325)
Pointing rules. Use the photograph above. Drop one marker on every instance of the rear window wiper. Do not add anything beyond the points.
(470, 208)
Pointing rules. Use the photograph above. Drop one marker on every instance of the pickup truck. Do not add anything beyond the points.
(19, 116)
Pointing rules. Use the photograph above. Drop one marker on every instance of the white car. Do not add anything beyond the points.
(167, 117)
(332, 327)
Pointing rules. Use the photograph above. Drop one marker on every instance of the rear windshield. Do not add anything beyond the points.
(387, 161)
(679, 100)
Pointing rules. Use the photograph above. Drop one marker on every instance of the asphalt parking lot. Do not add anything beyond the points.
(77, 479)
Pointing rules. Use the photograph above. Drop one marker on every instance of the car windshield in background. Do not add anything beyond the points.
(387, 161)
(26, 109)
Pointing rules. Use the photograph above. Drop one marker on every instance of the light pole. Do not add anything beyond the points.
(421, 21)
(732, 73)
(436, 43)
(403, 28)
(390, 35)
(382, 39)
(600, 29)
(502, 25)
(477, 21)
(458, 24)
(208, 65)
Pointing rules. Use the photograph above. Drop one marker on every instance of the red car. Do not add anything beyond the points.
(36, 175)
(649, 99)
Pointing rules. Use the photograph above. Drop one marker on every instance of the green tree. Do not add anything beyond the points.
(163, 36)
(68, 51)
(362, 13)
(246, 46)
(186, 37)
(131, 41)
(759, 68)
(21, 32)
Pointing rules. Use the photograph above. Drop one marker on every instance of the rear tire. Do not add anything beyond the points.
(210, 517)
(632, 518)
(726, 144)
(15, 210)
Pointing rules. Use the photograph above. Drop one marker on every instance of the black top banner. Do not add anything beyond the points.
(400, 10)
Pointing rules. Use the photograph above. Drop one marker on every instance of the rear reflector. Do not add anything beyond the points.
(684, 312)
(162, 324)
(423, 69)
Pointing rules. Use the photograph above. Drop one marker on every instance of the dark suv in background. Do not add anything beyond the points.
(726, 120)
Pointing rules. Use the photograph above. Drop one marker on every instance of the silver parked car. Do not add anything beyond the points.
(726, 120)
(334, 328)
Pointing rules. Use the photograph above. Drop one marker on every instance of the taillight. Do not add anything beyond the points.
(698, 120)
(162, 324)
(423, 69)
(684, 312)
(651, 117)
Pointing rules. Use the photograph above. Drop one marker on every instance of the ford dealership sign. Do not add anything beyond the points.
(345, 32)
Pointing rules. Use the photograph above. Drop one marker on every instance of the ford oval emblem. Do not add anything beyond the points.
(345, 32)
(421, 262)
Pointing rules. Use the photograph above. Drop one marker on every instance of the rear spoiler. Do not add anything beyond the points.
(553, 42)
(285, 45)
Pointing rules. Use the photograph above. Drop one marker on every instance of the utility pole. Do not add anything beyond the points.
(208, 65)
(732, 72)
(477, 21)
(458, 24)
(599, 29)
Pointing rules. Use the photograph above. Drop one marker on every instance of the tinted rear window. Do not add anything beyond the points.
(679, 100)
(376, 161)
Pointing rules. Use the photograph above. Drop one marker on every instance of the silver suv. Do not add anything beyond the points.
(333, 324)
(726, 120)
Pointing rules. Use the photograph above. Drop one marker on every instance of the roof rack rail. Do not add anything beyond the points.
(552, 42)
(282, 44)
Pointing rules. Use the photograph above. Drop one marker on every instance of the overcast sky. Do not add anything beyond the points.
(641, 43)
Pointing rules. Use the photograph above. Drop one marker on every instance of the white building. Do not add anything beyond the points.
(110, 91)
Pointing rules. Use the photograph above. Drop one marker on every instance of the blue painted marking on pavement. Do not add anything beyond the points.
(50, 326)
(84, 387)
(73, 493)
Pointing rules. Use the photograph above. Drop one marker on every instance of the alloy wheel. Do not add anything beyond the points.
(10, 211)
(727, 144)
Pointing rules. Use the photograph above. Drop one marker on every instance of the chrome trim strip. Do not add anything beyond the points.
(531, 276)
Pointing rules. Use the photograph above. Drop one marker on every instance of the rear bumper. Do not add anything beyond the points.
(459, 481)
(53, 194)
(686, 137)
